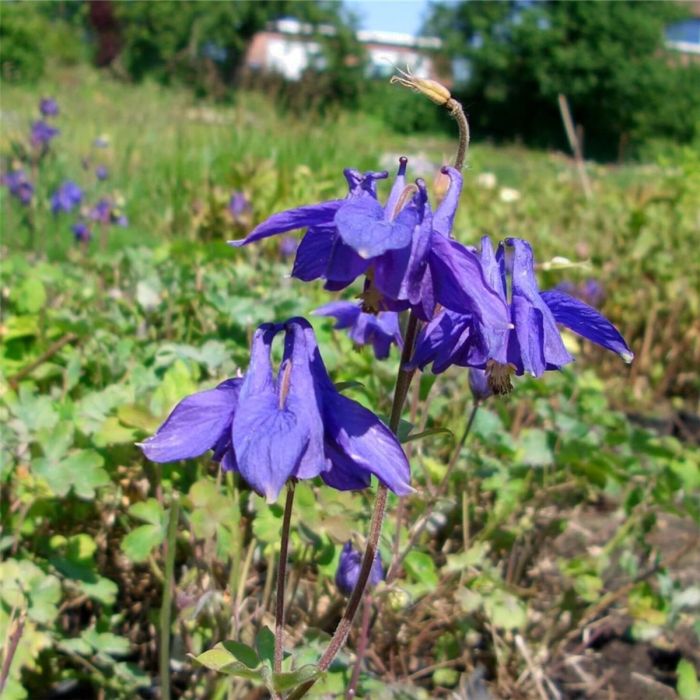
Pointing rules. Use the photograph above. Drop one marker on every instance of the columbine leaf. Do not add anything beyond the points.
(221, 660)
(242, 652)
(283, 682)
(265, 644)
(139, 543)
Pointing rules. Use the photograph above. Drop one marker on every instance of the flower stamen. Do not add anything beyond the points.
(499, 375)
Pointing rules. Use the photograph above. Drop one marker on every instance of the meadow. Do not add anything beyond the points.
(556, 558)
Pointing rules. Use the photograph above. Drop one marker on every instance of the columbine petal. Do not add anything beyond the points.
(444, 217)
(587, 322)
(195, 425)
(460, 284)
(365, 440)
(397, 188)
(344, 312)
(301, 217)
(269, 443)
(361, 224)
(542, 324)
(343, 473)
(313, 253)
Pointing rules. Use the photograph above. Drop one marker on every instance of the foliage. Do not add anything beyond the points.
(568, 502)
(607, 58)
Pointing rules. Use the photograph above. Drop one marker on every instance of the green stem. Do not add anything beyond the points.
(282, 575)
(166, 606)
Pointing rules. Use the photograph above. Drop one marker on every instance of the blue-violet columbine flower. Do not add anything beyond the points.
(401, 248)
(349, 566)
(66, 198)
(105, 212)
(18, 185)
(42, 134)
(48, 107)
(293, 425)
(533, 344)
(380, 330)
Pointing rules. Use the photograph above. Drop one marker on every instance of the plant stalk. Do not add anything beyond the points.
(282, 575)
(166, 606)
(361, 647)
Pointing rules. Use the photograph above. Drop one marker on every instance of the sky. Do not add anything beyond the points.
(404, 16)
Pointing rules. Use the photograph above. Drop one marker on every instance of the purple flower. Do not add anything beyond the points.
(101, 211)
(18, 185)
(43, 133)
(66, 198)
(591, 291)
(106, 213)
(101, 172)
(288, 246)
(238, 205)
(349, 566)
(81, 231)
(294, 425)
(533, 343)
(381, 330)
(48, 107)
(101, 142)
(402, 248)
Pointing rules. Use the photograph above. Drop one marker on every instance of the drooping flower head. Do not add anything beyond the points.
(402, 248)
(349, 566)
(19, 186)
(48, 107)
(533, 343)
(42, 134)
(81, 231)
(66, 198)
(380, 330)
(271, 426)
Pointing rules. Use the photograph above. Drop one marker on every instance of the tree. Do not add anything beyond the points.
(608, 58)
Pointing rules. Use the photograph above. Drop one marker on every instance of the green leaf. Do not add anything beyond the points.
(421, 567)
(505, 610)
(242, 652)
(221, 660)
(139, 417)
(283, 682)
(112, 432)
(82, 471)
(150, 511)
(688, 686)
(534, 449)
(139, 543)
(107, 643)
(31, 295)
(103, 590)
(265, 644)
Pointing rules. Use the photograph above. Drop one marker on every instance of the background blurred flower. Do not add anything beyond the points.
(66, 198)
(43, 133)
(240, 209)
(101, 172)
(101, 142)
(81, 231)
(48, 107)
(486, 180)
(18, 185)
(380, 330)
(349, 566)
(509, 195)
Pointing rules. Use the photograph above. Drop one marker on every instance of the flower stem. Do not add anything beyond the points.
(403, 383)
(166, 606)
(281, 575)
(456, 111)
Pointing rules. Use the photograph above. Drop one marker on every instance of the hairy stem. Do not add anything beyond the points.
(282, 575)
(166, 606)
(403, 383)
(455, 109)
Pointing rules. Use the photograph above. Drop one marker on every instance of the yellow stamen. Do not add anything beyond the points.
(499, 375)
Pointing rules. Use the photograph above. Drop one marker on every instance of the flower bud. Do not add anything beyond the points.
(434, 91)
(479, 384)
